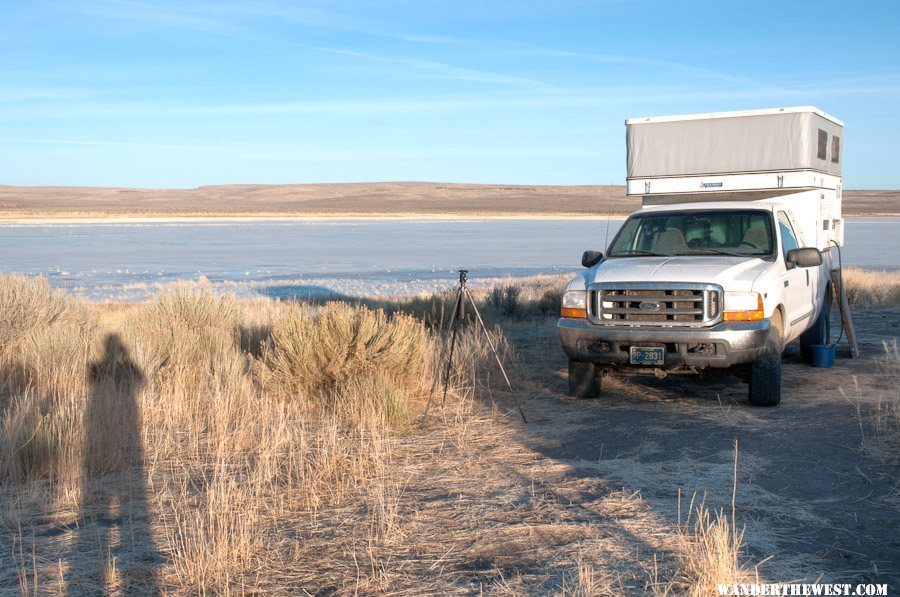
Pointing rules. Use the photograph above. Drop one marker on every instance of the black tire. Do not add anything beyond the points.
(819, 333)
(765, 372)
(584, 381)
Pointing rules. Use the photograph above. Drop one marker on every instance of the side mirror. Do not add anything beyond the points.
(806, 257)
(591, 258)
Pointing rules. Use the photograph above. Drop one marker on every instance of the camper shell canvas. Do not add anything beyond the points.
(778, 140)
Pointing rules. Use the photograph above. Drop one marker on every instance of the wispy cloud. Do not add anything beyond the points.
(160, 16)
(283, 12)
(221, 19)
(440, 69)
(341, 153)
(230, 19)
(11, 94)
(622, 97)
(429, 39)
(675, 67)
(103, 143)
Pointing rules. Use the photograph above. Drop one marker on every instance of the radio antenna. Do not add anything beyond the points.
(608, 209)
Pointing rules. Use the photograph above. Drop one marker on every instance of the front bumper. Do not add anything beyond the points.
(722, 345)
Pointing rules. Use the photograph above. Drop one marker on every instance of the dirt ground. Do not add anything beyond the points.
(811, 499)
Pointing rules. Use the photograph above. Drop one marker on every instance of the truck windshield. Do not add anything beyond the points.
(703, 232)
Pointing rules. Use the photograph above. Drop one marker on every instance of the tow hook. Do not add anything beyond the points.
(660, 374)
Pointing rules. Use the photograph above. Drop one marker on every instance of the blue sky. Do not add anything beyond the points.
(165, 93)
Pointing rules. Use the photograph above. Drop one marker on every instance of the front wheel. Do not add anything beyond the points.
(584, 381)
(765, 372)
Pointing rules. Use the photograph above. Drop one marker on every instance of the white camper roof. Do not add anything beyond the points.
(736, 114)
(734, 143)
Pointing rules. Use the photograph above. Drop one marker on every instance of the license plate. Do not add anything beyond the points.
(648, 355)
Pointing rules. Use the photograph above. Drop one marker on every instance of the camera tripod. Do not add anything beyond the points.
(458, 314)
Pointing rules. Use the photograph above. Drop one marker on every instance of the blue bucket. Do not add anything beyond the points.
(822, 356)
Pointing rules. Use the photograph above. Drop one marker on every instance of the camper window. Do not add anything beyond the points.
(835, 149)
(823, 145)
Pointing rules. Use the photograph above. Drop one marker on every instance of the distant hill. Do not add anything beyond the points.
(358, 199)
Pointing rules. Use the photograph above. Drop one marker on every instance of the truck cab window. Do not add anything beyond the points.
(788, 238)
(743, 233)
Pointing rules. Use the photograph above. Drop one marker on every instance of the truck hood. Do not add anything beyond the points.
(732, 273)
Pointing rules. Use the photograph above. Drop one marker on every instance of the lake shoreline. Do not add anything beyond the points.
(311, 217)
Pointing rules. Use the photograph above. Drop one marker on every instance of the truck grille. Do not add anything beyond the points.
(669, 305)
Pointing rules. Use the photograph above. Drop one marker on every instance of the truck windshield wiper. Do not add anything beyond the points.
(729, 253)
(637, 252)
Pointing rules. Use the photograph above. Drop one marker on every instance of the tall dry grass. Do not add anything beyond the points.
(887, 413)
(708, 554)
(231, 416)
(867, 287)
(878, 411)
(503, 300)
(46, 341)
(355, 362)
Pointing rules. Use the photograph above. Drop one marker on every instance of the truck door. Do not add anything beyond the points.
(797, 283)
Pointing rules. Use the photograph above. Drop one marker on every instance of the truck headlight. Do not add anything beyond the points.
(574, 304)
(743, 306)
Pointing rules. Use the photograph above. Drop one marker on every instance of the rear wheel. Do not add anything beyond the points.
(765, 372)
(584, 379)
(819, 333)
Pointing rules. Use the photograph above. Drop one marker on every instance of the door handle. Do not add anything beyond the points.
(786, 283)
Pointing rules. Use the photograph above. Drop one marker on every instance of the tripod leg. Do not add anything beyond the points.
(437, 373)
(454, 327)
(496, 354)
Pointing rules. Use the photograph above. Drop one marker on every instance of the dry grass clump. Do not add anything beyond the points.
(24, 305)
(588, 582)
(38, 440)
(185, 325)
(194, 306)
(709, 547)
(432, 309)
(887, 416)
(870, 287)
(349, 360)
(505, 299)
(46, 343)
(44, 337)
(879, 412)
(536, 297)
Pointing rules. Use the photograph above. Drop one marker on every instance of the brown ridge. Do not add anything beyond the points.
(355, 199)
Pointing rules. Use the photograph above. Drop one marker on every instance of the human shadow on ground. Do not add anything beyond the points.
(114, 549)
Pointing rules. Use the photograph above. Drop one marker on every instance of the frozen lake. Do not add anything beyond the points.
(349, 257)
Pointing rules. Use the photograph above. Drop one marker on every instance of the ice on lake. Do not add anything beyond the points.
(331, 258)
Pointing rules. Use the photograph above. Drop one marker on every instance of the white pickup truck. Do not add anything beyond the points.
(729, 258)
